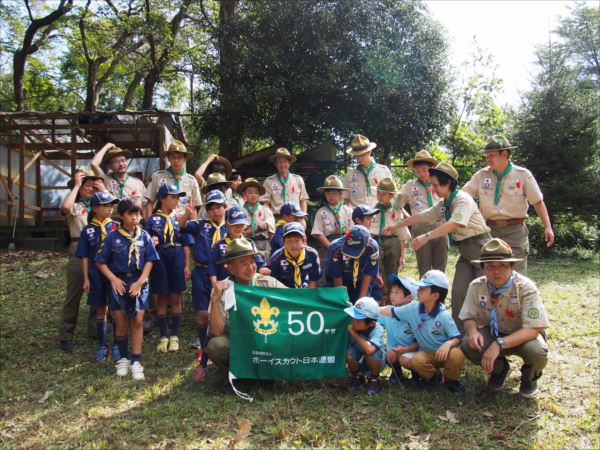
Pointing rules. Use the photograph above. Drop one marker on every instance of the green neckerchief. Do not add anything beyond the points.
(338, 218)
(121, 184)
(366, 173)
(383, 210)
(251, 210)
(448, 203)
(177, 176)
(499, 182)
(283, 182)
(427, 186)
(87, 205)
(236, 197)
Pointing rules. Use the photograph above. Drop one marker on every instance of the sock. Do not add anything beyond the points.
(204, 358)
(175, 320)
(162, 325)
(397, 369)
(135, 358)
(114, 328)
(123, 343)
(201, 330)
(101, 332)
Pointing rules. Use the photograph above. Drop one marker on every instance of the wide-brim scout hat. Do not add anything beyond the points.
(360, 145)
(421, 156)
(102, 198)
(282, 152)
(445, 169)
(214, 180)
(176, 146)
(496, 250)
(251, 182)
(87, 175)
(355, 241)
(387, 185)
(113, 152)
(238, 248)
(225, 162)
(497, 143)
(169, 189)
(332, 183)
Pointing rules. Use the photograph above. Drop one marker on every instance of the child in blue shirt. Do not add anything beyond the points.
(125, 258)
(289, 212)
(94, 283)
(365, 354)
(401, 343)
(170, 272)
(435, 331)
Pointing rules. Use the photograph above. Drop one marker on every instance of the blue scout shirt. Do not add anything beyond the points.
(431, 329)
(202, 231)
(283, 270)
(90, 240)
(218, 253)
(155, 226)
(277, 239)
(399, 331)
(117, 254)
(374, 335)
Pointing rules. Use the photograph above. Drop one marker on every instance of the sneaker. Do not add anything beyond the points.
(137, 371)
(528, 389)
(393, 378)
(101, 354)
(196, 344)
(163, 345)
(66, 346)
(414, 380)
(122, 367)
(496, 380)
(430, 384)
(455, 386)
(373, 386)
(200, 373)
(173, 344)
(354, 383)
(116, 353)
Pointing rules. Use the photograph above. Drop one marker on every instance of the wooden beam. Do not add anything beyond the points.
(38, 191)
(25, 205)
(22, 176)
(50, 145)
(27, 166)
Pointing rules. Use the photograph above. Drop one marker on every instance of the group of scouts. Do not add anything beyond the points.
(220, 229)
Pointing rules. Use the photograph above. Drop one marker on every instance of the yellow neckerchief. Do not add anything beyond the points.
(280, 223)
(217, 234)
(296, 264)
(101, 225)
(133, 248)
(169, 230)
(355, 271)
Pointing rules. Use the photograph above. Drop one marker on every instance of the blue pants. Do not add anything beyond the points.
(99, 287)
(128, 305)
(167, 275)
(358, 354)
(201, 288)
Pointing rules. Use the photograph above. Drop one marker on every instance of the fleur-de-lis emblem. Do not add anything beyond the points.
(265, 325)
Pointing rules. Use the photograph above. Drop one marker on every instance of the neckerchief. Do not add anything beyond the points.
(237, 198)
(427, 187)
(494, 295)
(251, 210)
(121, 184)
(338, 218)
(283, 182)
(383, 210)
(133, 248)
(500, 176)
(296, 264)
(448, 204)
(366, 173)
(177, 176)
(102, 225)
(217, 234)
(355, 271)
(87, 205)
(280, 223)
(169, 230)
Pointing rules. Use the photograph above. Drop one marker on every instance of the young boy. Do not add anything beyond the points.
(363, 215)
(94, 283)
(435, 331)
(296, 264)
(401, 343)
(125, 259)
(365, 355)
(289, 212)
(262, 223)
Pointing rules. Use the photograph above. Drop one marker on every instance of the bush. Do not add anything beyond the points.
(573, 237)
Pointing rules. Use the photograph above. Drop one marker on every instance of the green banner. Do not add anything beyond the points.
(288, 334)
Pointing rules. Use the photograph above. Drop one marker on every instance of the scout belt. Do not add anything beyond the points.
(501, 223)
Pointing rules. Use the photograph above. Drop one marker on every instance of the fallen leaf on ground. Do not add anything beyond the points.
(242, 433)
(488, 414)
(47, 394)
(449, 417)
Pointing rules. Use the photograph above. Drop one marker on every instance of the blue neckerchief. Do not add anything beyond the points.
(494, 294)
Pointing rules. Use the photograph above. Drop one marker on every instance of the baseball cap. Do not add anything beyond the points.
(355, 241)
(434, 278)
(215, 197)
(169, 189)
(408, 283)
(293, 228)
(292, 208)
(363, 210)
(364, 308)
(102, 198)
(235, 216)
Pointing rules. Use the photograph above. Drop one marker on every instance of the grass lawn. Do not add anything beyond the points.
(49, 399)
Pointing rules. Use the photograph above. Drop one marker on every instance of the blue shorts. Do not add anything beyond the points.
(358, 354)
(129, 306)
(167, 275)
(99, 287)
(201, 288)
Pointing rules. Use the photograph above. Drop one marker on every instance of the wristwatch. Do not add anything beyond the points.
(428, 234)
(501, 342)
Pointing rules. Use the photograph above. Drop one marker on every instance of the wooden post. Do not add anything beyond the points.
(73, 151)
(22, 176)
(38, 191)
(9, 207)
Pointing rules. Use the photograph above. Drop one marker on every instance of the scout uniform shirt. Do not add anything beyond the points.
(217, 253)
(518, 189)
(399, 332)
(391, 216)
(462, 210)
(519, 307)
(233, 198)
(126, 254)
(373, 335)
(130, 187)
(328, 225)
(277, 196)
(295, 273)
(91, 238)
(77, 218)
(432, 329)
(360, 193)
(259, 215)
(205, 235)
(166, 228)
(187, 183)
(416, 195)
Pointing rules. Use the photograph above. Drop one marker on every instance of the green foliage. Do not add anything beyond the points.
(574, 237)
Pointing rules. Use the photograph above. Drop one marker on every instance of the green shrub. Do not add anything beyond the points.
(573, 237)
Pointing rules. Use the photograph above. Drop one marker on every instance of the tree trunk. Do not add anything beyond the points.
(150, 82)
(130, 94)
(18, 75)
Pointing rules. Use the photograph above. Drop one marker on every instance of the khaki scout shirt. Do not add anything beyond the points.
(294, 191)
(325, 223)
(415, 194)
(133, 188)
(392, 217)
(262, 216)
(519, 189)
(76, 219)
(464, 212)
(188, 184)
(355, 181)
(519, 307)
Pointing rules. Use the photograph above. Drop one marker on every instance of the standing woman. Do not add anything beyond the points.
(460, 218)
